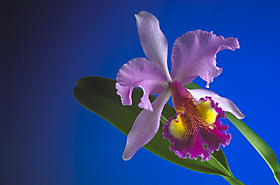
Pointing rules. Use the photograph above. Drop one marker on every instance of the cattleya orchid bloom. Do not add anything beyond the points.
(196, 130)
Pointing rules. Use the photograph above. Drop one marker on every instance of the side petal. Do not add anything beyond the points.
(140, 72)
(226, 104)
(194, 54)
(145, 126)
(152, 40)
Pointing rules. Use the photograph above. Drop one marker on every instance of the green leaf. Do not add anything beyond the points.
(99, 96)
(264, 150)
(258, 143)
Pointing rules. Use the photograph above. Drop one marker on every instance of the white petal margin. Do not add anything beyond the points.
(145, 126)
(226, 104)
(152, 40)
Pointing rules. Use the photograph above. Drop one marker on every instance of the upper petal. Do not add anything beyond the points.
(145, 126)
(226, 104)
(152, 40)
(140, 72)
(194, 54)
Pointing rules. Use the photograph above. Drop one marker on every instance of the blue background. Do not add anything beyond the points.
(47, 137)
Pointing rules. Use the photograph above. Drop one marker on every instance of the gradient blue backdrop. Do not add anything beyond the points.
(47, 137)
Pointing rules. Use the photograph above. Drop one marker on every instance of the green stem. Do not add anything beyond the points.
(214, 162)
(233, 181)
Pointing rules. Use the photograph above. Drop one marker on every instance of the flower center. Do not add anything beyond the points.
(206, 111)
(177, 128)
(202, 115)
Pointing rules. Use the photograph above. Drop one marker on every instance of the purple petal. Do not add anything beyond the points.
(140, 72)
(197, 130)
(198, 139)
(152, 40)
(145, 126)
(179, 95)
(226, 104)
(194, 54)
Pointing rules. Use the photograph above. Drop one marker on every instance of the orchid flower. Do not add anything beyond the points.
(196, 130)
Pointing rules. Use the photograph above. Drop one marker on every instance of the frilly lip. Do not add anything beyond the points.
(200, 137)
